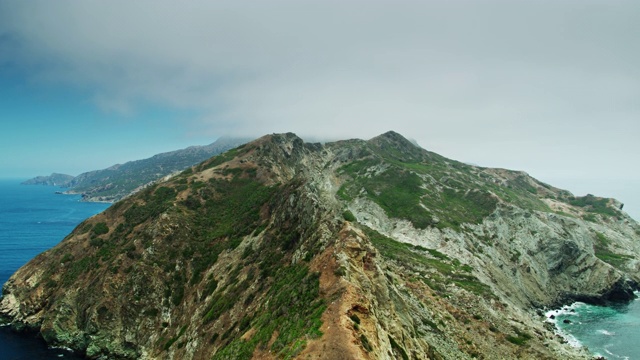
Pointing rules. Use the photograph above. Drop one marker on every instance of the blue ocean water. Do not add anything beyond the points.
(32, 220)
(612, 332)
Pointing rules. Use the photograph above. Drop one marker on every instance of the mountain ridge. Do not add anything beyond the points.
(55, 179)
(120, 180)
(358, 249)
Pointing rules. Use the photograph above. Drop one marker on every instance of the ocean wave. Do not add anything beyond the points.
(569, 310)
(605, 332)
(615, 356)
(571, 340)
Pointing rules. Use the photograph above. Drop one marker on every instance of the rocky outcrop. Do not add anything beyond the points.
(349, 250)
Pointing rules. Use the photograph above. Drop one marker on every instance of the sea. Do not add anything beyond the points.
(612, 332)
(35, 218)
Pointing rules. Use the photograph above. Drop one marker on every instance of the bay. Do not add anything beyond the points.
(33, 219)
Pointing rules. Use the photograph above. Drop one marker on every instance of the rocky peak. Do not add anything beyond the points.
(395, 146)
(391, 136)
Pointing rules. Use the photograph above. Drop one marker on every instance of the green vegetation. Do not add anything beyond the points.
(397, 192)
(522, 183)
(602, 252)
(226, 211)
(100, 228)
(456, 207)
(348, 215)
(429, 190)
(616, 260)
(151, 312)
(171, 341)
(593, 204)
(221, 159)
(229, 213)
(293, 310)
(398, 349)
(420, 259)
(365, 343)
(602, 240)
(233, 209)
(77, 268)
(520, 338)
(116, 182)
(157, 200)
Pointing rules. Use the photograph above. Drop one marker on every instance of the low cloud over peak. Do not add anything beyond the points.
(467, 78)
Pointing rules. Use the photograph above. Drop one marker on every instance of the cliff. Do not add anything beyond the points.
(349, 250)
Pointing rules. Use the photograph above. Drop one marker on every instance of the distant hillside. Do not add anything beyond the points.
(54, 179)
(118, 181)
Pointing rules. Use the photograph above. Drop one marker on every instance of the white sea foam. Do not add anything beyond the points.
(571, 340)
(61, 348)
(605, 332)
(570, 310)
(614, 355)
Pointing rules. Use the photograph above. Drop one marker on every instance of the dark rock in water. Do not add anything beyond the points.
(573, 310)
(552, 317)
(622, 290)
(566, 321)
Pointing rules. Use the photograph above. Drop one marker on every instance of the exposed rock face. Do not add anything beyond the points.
(350, 250)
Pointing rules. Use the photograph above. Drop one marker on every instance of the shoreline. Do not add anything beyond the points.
(41, 348)
(84, 196)
(552, 318)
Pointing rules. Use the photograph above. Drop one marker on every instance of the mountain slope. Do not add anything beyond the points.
(118, 181)
(54, 179)
(350, 250)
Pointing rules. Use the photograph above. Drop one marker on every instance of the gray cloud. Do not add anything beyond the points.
(551, 87)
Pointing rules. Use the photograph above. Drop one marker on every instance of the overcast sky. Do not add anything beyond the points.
(548, 87)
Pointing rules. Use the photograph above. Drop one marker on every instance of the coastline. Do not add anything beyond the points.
(551, 317)
(574, 312)
(48, 218)
(31, 345)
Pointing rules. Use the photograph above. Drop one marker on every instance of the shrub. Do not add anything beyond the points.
(521, 338)
(348, 215)
(100, 229)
